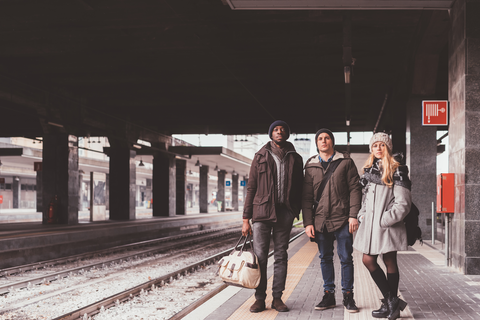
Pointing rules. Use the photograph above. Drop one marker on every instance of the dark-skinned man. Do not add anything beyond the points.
(335, 216)
(273, 200)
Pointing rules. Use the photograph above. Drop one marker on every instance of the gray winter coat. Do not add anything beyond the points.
(381, 227)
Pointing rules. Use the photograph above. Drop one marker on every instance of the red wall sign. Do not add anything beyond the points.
(1, 199)
(434, 113)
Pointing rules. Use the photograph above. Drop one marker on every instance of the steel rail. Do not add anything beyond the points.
(190, 308)
(65, 273)
(47, 263)
(115, 299)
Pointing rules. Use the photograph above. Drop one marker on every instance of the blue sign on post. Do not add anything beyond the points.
(227, 183)
(242, 183)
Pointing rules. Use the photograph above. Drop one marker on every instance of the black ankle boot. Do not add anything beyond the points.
(395, 304)
(383, 312)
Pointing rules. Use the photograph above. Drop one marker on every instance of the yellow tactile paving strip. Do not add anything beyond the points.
(367, 295)
(296, 268)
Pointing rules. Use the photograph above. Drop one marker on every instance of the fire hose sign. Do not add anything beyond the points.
(434, 113)
(1, 199)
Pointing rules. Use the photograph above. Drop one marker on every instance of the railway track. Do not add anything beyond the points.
(115, 300)
(27, 276)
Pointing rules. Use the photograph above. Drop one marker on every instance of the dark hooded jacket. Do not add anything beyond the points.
(261, 198)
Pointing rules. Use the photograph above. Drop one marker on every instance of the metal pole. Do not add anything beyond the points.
(434, 224)
(91, 196)
(447, 238)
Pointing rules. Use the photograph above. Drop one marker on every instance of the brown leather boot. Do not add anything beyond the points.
(278, 305)
(258, 306)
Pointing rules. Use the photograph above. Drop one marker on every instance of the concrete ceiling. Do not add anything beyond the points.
(197, 66)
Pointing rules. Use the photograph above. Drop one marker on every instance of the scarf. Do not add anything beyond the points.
(374, 175)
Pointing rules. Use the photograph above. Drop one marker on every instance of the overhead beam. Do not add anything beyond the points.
(339, 4)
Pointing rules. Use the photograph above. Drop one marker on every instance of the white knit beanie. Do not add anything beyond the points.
(381, 137)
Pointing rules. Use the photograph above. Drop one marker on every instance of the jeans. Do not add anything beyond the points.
(262, 231)
(344, 250)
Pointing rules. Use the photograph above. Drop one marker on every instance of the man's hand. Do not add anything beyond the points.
(353, 225)
(246, 228)
(310, 231)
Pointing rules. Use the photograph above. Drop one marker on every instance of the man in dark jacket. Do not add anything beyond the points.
(335, 216)
(273, 200)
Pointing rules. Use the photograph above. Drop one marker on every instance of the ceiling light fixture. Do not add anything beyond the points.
(141, 164)
(197, 164)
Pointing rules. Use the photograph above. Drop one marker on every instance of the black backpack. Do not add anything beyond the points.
(414, 232)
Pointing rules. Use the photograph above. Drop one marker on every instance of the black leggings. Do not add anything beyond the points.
(388, 285)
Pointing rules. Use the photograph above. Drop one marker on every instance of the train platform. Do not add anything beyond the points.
(431, 290)
(28, 242)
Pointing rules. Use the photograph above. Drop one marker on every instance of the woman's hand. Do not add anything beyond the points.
(246, 228)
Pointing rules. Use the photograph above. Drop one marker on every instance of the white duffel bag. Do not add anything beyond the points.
(240, 268)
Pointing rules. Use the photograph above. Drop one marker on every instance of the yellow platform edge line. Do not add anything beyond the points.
(296, 268)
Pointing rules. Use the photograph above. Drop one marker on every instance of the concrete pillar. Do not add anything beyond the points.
(203, 198)
(181, 180)
(164, 185)
(80, 191)
(422, 163)
(39, 191)
(190, 194)
(107, 191)
(16, 192)
(464, 135)
(235, 192)
(60, 176)
(123, 182)
(221, 189)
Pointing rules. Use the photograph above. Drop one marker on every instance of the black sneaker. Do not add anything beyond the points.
(349, 303)
(328, 301)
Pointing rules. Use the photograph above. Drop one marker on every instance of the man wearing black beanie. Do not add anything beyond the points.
(273, 200)
(331, 200)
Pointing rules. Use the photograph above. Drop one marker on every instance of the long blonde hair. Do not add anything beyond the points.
(388, 166)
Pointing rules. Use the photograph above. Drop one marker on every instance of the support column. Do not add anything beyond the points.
(464, 135)
(39, 191)
(107, 191)
(123, 181)
(190, 195)
(203, 198)
(221, 189)
(422, 163)
(80, 191)
(164, 185)
(60, 176)
(16, 192)
(181, 179)
(235, 192)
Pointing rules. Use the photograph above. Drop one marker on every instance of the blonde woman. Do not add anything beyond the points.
(385, 203)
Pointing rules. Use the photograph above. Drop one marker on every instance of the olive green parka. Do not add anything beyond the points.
(341, 198)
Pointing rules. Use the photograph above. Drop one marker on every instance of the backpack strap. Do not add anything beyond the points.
(330, 170)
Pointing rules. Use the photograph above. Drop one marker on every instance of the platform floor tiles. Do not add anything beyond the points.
(431, 290)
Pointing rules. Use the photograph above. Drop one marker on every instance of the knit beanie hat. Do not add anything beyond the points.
(330, 133)
(279, 123)
(381, 137)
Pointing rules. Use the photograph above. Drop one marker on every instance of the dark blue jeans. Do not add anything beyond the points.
(344, 250)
